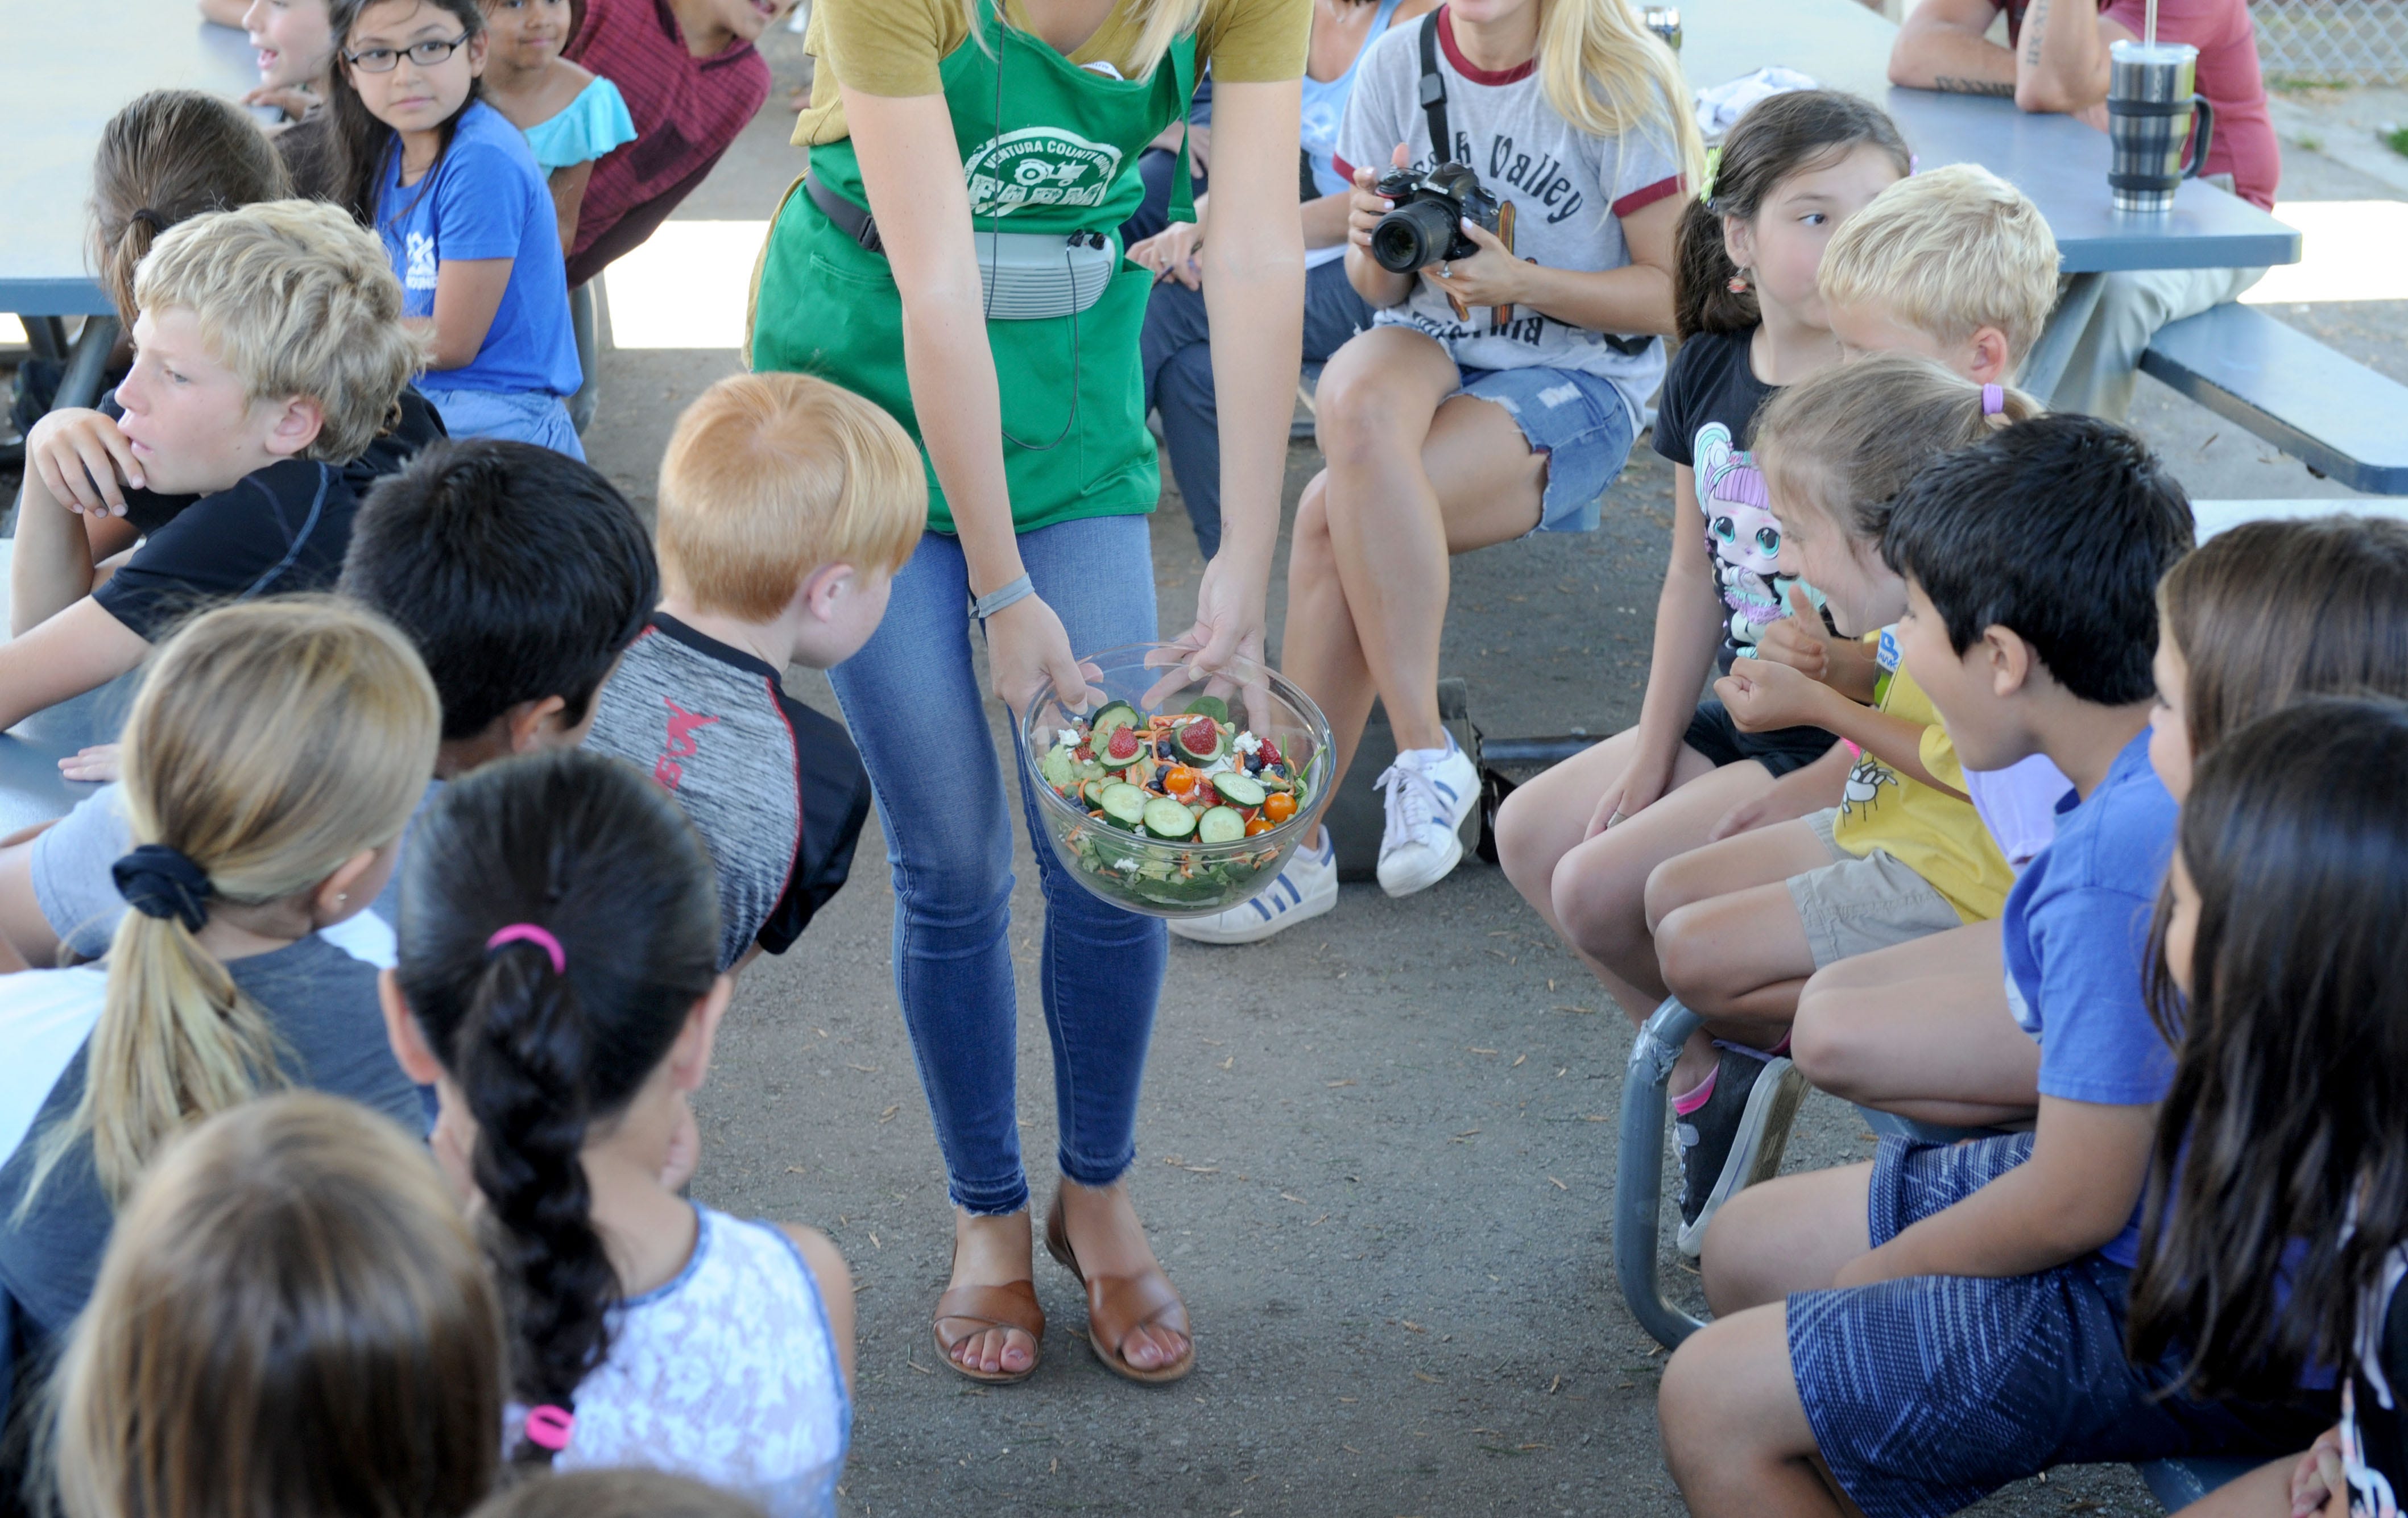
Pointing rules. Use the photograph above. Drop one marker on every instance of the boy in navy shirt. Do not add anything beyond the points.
(1956, 1316)
(253, 406)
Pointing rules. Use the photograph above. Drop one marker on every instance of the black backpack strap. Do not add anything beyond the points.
(1433, 92)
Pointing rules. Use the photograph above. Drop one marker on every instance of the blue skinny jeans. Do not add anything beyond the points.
(914, 700)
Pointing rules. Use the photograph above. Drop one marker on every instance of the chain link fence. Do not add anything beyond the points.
(2332, 41)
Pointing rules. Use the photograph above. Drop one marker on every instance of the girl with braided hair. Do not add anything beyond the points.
(558, 984)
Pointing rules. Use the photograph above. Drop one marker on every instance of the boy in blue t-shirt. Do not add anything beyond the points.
(1921, 1330)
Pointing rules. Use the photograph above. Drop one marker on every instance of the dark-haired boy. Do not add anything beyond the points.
(1958, 1313)
(520, 574)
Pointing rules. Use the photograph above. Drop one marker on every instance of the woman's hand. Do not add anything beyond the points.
(1026, 649)
(1229, 632)
(1761, 696)
(1170, 253)
(1365, 208)
(1491, 277)
(1640, 786)
(81, 456)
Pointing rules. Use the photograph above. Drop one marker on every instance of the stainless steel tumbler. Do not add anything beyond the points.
(2151, 106)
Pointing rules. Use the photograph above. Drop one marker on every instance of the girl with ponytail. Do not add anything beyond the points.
(558, 985)
(271, 760)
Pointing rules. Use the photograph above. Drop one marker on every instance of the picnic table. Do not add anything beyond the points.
(58, 87)
(2060, 162)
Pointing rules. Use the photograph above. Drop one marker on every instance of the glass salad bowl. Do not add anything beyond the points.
(1171, 795)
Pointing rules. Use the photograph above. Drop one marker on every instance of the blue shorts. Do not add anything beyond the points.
(1929, 1394)
(526, 416)
(1578, 420)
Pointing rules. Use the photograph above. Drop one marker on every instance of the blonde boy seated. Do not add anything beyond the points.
(268, 351)
(787, 505)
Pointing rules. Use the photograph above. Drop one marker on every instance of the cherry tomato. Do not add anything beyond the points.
(1181, 779)
(1255, 829)
(1278, 806)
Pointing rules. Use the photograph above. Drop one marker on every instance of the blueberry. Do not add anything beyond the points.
(1162, 748)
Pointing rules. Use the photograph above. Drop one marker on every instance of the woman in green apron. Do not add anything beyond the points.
(950, 143)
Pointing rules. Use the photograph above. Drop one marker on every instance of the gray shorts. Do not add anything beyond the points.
(1855, 905)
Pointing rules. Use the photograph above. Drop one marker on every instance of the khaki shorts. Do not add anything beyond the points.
(1855, 905)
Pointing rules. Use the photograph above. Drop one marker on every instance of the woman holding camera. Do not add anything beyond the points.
(951, 140)
(1505, 376)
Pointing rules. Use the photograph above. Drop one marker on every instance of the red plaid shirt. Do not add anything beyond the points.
(687, 109)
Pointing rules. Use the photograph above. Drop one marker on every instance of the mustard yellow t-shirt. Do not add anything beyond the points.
(1928, 831)
(895, 48)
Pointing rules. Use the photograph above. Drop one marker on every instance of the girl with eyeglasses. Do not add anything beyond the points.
(465, 212)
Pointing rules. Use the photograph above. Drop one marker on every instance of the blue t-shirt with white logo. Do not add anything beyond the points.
(486, 198)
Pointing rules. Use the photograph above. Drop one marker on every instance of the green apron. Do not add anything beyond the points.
(1058, 155)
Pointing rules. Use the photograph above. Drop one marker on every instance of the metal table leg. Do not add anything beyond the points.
(1639, 1180)
(87, 364)
(2044, 365)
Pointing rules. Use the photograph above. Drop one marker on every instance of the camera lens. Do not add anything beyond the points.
(1413, 236)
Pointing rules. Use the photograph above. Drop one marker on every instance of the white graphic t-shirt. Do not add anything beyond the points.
(1569, 191)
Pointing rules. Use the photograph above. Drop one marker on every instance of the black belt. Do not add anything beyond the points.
(853, 220)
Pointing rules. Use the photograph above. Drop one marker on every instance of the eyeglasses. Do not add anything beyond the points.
(421, 54)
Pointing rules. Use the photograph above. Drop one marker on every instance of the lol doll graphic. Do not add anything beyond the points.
(1745, 537)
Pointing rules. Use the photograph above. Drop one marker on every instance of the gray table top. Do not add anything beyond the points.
(2057, 160)
(31, 788)
(67, 71)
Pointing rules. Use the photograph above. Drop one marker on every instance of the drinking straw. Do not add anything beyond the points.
(2150, 37)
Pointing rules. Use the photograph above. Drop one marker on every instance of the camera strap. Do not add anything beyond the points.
(1433, 92)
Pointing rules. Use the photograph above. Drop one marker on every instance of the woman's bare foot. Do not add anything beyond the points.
(991, 1252)
(1109, 1240)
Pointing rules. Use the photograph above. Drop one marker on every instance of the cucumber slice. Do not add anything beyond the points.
(1209, 706)
(1166, 818)
(1056, 767)
(1220, 824)
(1093, 791)
(1116, 714)
(1126, 804)
(1104, 747)
(1239, 789)
(1205, 753)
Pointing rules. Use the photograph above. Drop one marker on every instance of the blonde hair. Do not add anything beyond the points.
(1166, 22)
(297, 300)
(1846, 441)
(1608, 74)
(1948, 253)
(292, 1317)
(272, 741)
(769, 476)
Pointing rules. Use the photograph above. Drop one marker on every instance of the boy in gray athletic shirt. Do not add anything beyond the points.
(787, 506)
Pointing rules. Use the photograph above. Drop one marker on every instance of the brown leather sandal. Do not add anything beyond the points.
(1116, 1305)
(1011, 1304)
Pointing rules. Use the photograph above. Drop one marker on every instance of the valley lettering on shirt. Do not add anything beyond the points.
(1569, 191)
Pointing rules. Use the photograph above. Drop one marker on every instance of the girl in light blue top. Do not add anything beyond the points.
(570, 116)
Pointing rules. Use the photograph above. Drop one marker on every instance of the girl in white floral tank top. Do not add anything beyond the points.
(557, 957)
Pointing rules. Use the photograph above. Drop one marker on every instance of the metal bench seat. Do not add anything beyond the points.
(2338, 417)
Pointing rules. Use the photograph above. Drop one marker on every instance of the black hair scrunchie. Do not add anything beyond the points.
(156, 222)
(161, 881)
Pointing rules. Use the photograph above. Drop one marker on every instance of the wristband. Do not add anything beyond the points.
(996, 600)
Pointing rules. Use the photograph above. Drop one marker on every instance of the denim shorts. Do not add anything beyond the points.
(1582, 423)
(1782, 750)
(1927, 1393)
(527, 415)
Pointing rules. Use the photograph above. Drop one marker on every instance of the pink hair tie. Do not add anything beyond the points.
(1994, 399)
(548, 1427)
(541, 938)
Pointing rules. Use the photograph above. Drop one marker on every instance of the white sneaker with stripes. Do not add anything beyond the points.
(1304, 889)
(1430, 792)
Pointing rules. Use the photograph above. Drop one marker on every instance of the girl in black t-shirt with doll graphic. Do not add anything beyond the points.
(1579, 841)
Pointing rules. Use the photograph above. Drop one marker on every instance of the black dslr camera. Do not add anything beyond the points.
(1424, 228)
